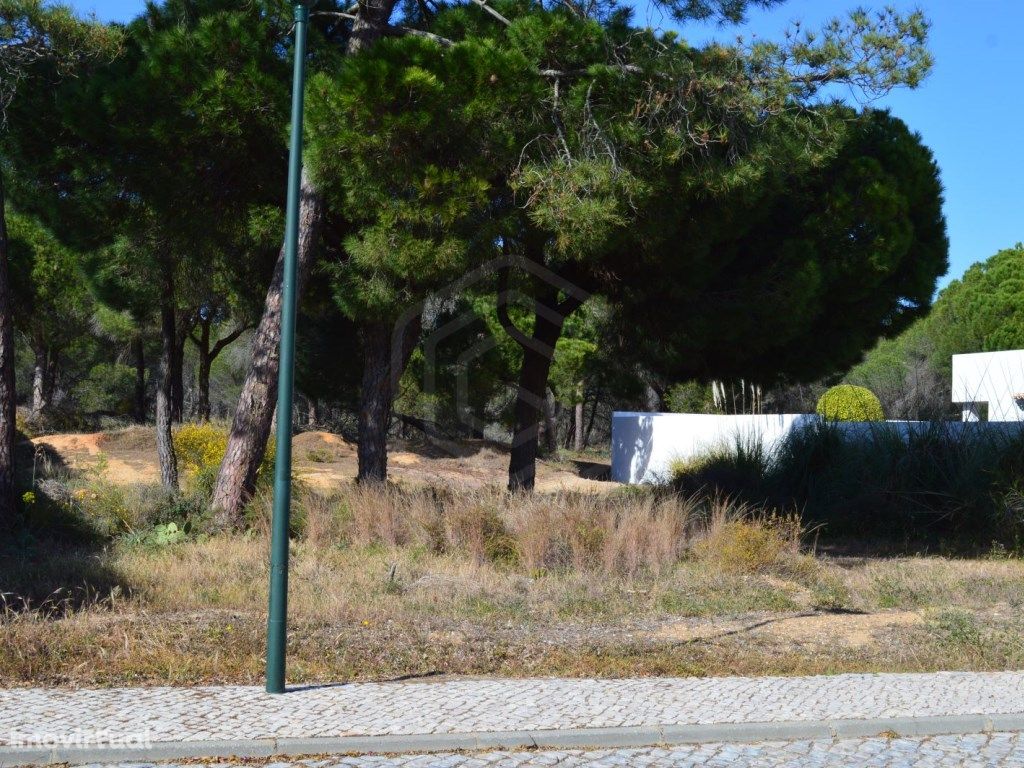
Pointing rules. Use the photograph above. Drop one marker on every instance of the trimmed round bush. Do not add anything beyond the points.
(847, 402)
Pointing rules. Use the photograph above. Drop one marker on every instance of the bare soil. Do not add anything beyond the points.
(325, 460)
(87, 452)
(853, 629)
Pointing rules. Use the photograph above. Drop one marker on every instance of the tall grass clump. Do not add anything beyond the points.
(736, 468)
(624, 534)
(941, 483)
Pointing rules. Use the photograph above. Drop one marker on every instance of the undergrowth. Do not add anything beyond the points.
(947, 486)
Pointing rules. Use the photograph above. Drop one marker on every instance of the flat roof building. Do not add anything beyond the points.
(995, 379)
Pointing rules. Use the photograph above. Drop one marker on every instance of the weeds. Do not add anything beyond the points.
(615, 534)
(319, 455)
(750, 544)
(388, 581)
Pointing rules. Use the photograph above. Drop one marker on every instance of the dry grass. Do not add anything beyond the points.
(392, 583)
(621, 534)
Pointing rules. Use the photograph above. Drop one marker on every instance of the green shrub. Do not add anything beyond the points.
(847, 402)
(318, 455)
(162, 535)
(117, 509)
(62, 418)
(23, 427)
(690, 397)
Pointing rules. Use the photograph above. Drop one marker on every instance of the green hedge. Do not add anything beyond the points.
(849, 403)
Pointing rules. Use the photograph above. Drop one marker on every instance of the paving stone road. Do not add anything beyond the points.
(984, 751)
(473, 706)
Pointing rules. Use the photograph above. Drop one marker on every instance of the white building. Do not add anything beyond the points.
(995, 379)
(989, 385)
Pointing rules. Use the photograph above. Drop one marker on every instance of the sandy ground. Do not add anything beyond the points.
(324, 460)
(85, 452)
(850, 628)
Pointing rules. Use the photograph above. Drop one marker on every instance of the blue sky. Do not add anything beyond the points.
(970, 111)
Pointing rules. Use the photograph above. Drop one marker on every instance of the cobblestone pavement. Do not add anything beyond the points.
(468, 706)
(988, 750)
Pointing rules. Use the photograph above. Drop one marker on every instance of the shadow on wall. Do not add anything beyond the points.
(632, 445)
(645, 445)
(992, 379)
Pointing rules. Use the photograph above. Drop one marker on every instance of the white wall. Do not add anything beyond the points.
(989, 377)
(644, 445)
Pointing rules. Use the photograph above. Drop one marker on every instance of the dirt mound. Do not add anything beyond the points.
(321, 448)
(321, 440)
(106, 455)
(67, 445)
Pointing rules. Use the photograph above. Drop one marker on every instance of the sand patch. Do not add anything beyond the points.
(854, 630)
(403, 459)
(326, 461)
(72, 443)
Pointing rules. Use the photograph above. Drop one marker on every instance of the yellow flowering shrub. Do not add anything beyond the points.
(200, 448)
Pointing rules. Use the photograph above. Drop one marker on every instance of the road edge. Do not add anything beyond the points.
(575, 738)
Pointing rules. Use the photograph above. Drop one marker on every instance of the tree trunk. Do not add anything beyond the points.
(374, 403)
(164, 390)
(40, 379)
(250, 428)
(8, 505)
(207, 354)
(550, 422)
(590, 421)
(203, 382)
(577, 420)
(538, 353)
(139, 354)
(533, 376)
(368, 27)
(653, 398)
(312, 412)
(177, 396)
(178, 370)
(377, 392)
(50, 382)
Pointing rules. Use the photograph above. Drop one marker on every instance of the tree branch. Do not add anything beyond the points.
(392, 30)
(568, 305)
(221, 343)
(504, 319)
(483, 4)
(631, 69)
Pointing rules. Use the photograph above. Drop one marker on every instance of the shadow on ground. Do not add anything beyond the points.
(54, 562)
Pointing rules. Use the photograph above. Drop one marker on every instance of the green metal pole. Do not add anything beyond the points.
(277, 619)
